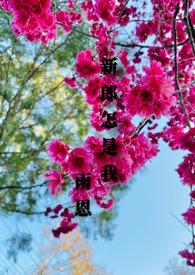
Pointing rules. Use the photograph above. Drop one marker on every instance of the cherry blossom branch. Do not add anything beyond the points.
(181, 222)
(148, 46)
(141, 125)
(121, 12)
(176, 67)
(132, 45)
(189, 28)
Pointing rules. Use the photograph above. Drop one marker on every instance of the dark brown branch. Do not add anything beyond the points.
(189, 28)
(176, 67)
(131, 45)
(142, 125)
(20, 153)
(175, 47)
(123, 9)
(192, 28)
(22, 187)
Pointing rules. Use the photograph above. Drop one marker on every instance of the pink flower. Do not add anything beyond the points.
(189, 216)
(33, 18)
(79, 161)
(81, 194)
(65, 225)
(192, 194)
(141, 150)
(159, 54)
(67, 19)
(188, 140)
(70, 82)
(124, 13)
(67, 214)
(186, 170)
(106, 10)
(5, 5)
(190, 256)
(93, 90)
(57, 209)
(55, 181)
(86, 67)
(155, 95)
(93, 144)
(100, 190)
(146, 29)
(107, 205)
(126, 126)
(57, 151)
(123, 55)
(95, 120)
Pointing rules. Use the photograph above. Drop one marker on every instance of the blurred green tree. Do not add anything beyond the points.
(35, 107)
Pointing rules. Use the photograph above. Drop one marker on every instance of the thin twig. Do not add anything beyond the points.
(22, 187)
(181, 222)
(130, 45)
(142, 125)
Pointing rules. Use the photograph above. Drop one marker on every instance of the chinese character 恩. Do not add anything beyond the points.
(82, 208)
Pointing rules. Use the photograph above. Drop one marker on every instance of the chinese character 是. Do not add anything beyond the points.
(109, 146)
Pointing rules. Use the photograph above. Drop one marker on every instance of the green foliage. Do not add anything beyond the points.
(106, 215)
(35, 107)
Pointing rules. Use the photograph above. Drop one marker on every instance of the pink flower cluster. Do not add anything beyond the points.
(147, 92)
(189, 216)
(55, 180)
(186, 170)
(68, 19)
(110, 12)
(154, 95)
(144, 30)
(66, 224)
(189, 256)
(34, 19)
(85, 65)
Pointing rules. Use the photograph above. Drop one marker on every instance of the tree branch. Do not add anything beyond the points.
(22, 187)
(190, 29)
(142, 125)
(176, 67)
